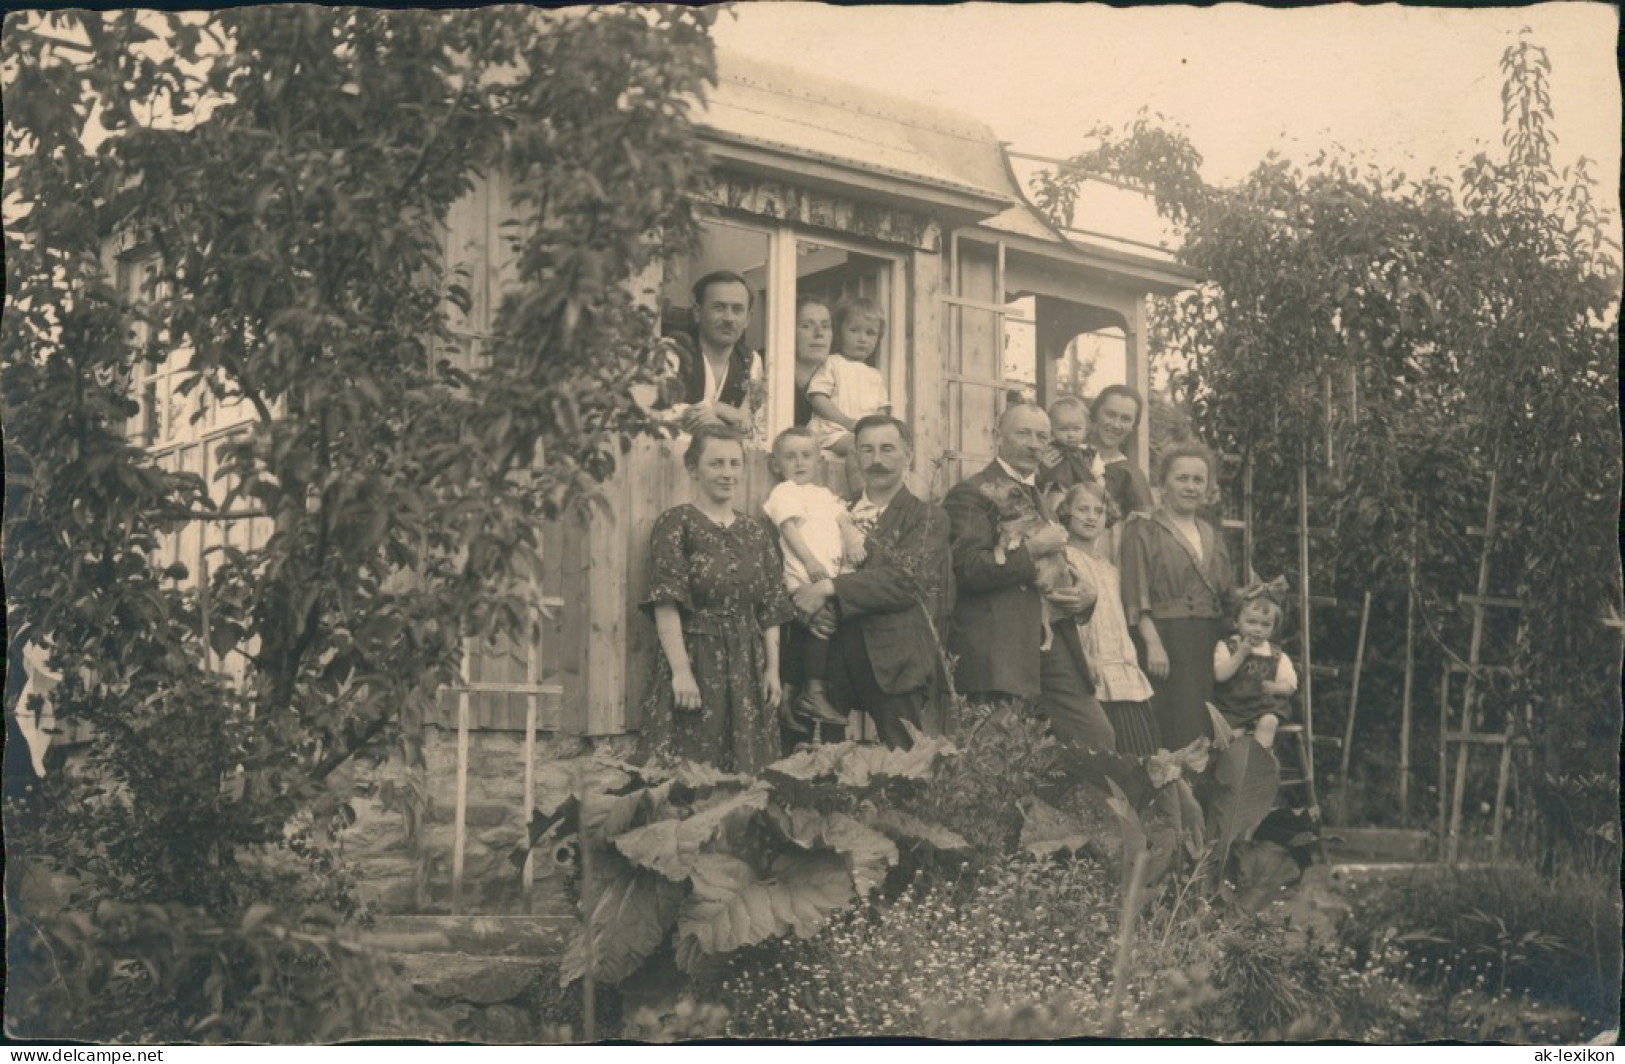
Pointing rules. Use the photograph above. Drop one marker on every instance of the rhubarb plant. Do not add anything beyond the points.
(678, 854)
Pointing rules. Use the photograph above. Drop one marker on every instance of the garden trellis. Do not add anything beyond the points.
(1469, 733)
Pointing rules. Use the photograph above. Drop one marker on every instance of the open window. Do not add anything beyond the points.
(741, 249)
(840, 274)
(781, 266)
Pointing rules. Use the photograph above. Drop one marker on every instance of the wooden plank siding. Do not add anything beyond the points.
(599, 647)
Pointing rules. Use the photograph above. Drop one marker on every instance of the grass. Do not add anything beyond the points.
(1552, 936)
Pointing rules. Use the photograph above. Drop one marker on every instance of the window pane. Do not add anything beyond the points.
(722, 247)
(977, 279)
(973, 410)
(1020, 368)
(971, 338)
(858, 287)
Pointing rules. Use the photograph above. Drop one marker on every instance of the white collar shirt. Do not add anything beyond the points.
(1031, 479)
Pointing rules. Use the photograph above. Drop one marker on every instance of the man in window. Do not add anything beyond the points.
(721, 378)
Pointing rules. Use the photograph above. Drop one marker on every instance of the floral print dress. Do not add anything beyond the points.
(727, 583)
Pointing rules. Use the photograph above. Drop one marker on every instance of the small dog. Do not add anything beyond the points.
(1019, 518)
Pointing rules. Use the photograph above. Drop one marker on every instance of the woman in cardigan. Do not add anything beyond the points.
(1176, 574)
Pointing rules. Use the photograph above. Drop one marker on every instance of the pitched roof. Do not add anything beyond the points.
(788, 112)
(777, 119)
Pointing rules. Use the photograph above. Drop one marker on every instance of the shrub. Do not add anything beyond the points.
(155, 973)
(1501, 928)
(1006, 754)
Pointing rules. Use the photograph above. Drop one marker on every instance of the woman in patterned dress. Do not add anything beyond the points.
(716, 594)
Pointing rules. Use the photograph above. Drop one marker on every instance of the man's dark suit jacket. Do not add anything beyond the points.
(906, 575)
(997, 625)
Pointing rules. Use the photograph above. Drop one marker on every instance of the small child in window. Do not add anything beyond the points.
(1254, 679)
(820, 541)
(848, 386)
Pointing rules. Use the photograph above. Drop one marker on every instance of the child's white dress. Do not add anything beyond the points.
(856, 388)
(1107, 648)
(820, 511)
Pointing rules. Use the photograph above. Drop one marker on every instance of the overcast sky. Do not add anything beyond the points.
(1405, 87)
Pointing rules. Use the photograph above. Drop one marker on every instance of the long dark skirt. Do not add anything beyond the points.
(1135, 726)
(1179, 701)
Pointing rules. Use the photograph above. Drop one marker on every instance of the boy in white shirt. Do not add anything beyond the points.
(820, 541)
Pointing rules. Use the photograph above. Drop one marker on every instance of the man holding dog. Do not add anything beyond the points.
(997, 634)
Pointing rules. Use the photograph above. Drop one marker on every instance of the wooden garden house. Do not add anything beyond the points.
(820, 188)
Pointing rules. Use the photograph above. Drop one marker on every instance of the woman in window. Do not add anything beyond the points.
(815, 329)
(716, 593)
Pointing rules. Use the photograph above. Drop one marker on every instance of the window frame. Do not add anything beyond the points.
(954, 379)
(780, 325)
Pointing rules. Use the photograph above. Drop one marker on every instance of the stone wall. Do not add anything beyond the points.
(398, 874)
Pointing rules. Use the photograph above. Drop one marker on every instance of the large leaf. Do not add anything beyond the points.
(1134, 831)
(671, 847)
(608, 814)
(633, 911)
(910, 830)
(868, 853)
(605, 816)
(1223, 733)
(1250, 780)
(730, 907)
(852, 764)
(1179, 805)
(695, 775)
(1045, 830)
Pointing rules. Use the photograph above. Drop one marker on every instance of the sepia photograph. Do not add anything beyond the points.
(787, 522)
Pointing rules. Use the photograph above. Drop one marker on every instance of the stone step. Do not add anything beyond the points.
(496, 937)
(1378, 845)
(473, 978)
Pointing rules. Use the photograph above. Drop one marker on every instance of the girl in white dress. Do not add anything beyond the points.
(1123, 690)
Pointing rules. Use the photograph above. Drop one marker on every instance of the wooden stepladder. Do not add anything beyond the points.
(1310, 670)
(1467, 734)
(1301, 734)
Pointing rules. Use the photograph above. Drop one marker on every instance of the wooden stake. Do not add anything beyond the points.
(1501, 789)
(1410, 675)
(1246, 515)
(532, 707)
(1354, 708)
(589, 902)
(1444, 757)
(1126, 921)
(459, 839)
(1474, 650)
(1326, 417)
(1306, 615)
